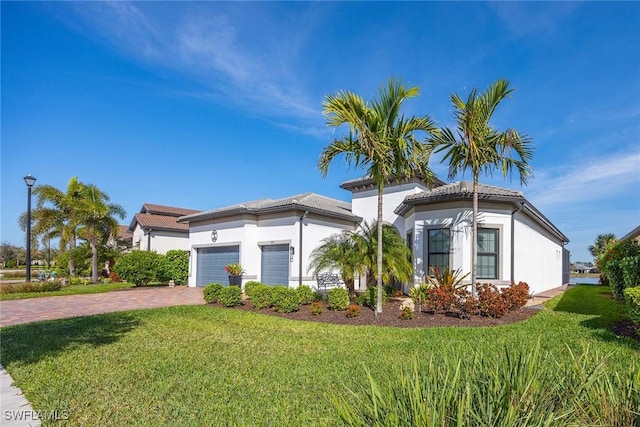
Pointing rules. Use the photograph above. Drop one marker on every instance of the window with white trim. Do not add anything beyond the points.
(488, 252)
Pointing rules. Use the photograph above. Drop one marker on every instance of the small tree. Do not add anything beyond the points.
(141, 267)
(178, 266)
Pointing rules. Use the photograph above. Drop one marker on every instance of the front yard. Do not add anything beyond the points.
(202, 365)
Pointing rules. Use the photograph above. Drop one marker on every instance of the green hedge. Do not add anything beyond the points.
(338, 299)
(211, 292)
(177, 265)
(632, 297)
(285, 300)
(371, 297)
(141, 267)
(250, 286)
(620, 264)
(261, 297)
(305, 293)
(231, 296)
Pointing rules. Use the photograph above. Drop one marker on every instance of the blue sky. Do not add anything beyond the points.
(201, 105)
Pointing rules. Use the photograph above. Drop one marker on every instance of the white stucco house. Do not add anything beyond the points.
(155, 228)
(273, 239)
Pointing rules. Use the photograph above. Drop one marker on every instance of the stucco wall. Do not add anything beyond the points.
(250, 234)
(161, 241)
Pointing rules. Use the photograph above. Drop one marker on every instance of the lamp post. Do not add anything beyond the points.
(29, 180)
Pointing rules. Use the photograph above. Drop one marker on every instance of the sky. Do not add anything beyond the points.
(205, 104)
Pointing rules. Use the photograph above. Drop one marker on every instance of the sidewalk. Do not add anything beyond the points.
(542, 297)
(16, 410)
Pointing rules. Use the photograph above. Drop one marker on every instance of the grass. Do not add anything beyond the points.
(67, 290)
(198, 365)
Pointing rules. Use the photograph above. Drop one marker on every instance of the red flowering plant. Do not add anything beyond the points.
(234, 269)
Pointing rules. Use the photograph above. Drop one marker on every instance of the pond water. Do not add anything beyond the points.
(586, 280)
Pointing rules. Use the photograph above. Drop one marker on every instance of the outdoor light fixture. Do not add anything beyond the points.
(292, 250)
(29, 180)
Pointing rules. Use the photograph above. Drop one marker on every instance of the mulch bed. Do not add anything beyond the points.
(626, 328)
(389, 317)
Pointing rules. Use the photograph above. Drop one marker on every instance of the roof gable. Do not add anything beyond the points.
(151, 208)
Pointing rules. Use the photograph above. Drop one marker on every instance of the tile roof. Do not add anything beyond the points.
(124, 233)
(367, 181)
(166, 210)
(632, 234)
(305, 201)
(158, 222)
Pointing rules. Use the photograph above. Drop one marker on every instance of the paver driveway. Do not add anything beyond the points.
(14, 312)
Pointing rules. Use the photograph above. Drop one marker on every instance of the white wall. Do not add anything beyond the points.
(365, 204)
(250, 234)
(161, 241)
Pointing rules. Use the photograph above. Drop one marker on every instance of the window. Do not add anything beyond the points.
(438, 249)
(487, 267)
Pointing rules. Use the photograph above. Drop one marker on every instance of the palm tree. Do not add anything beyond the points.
(476, 146)
(380, 140)
(338, 252)
(396, 264)
(601, 243)
(97, 217)
(57, 215)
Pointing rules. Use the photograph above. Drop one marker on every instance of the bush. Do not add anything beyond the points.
(285, 300)
(177, 266)
(337, 299)
(490, 301)
(78, 281)
(617, 272)
(211, 292)
(316, 308)
(406, 313)
(250, 286)
(632, 297)
(516, 296)
(371, 297)
(231, 296)
(305, 294)
(317, 296)
(141, 267)
(261, 296)
(114, 278)
(466, 303)
(419, 295)
(630, 271)
(353, 310)
(31, 287)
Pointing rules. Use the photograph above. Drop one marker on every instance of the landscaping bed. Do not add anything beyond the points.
(390, 316)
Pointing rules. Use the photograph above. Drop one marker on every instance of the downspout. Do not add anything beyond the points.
(300, 249)
(149, 240)
(513, 240)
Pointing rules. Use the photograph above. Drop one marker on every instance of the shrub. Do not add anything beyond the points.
(250, 286)
(285, 300)
(630, 271)
(231, 296)
(406, 313)
(316, 308)
(211, 292)
(318, 296)
(177, 266)
(353, 310)
(617, 272)
(31, 287)
(371, 297)
(516, 296)
(466, 303)
(78, 281)
(632, 297)
(114, 278)
(419, 295)
(444, 286)
(141, 267)
(490, 301)
(305, 294)
(337, 299)
(262, 296)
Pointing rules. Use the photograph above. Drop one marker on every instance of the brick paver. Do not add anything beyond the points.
(15, 312)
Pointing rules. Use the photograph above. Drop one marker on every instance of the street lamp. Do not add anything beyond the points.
(29, 180)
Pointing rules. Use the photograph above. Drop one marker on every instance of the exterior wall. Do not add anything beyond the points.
(538, 256)
(161, 241)
(365, 203)
(251, 233)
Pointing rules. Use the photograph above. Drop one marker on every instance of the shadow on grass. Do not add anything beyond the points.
(597, 302)
(32, 342)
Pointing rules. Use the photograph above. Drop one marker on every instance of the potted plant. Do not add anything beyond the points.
(235, 274)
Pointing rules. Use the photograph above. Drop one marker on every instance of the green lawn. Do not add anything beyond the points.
(69, 290)
(198, 365)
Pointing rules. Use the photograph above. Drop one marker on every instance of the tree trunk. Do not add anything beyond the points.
(474, 238)
(72, 263)
(379, 260)
(94, 259)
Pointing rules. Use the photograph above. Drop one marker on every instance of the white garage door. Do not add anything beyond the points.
(211, 263)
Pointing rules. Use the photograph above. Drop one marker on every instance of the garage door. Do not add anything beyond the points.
(275, 265)
(211, 263)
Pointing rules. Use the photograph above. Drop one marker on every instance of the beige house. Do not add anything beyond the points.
(155, 228)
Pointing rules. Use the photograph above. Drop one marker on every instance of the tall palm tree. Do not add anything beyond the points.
(338, 252)
(477, 146)
(57, 214)
(380, 140)
(601, 243)
(97, 217)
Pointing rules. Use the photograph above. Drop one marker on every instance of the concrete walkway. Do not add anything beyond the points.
(16, 409)
(15, 312)
(545, 296)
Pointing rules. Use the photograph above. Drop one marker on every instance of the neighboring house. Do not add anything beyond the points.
(633, 234)
(124, 240)
(581, 269)
(516, 241)
(155, 228)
